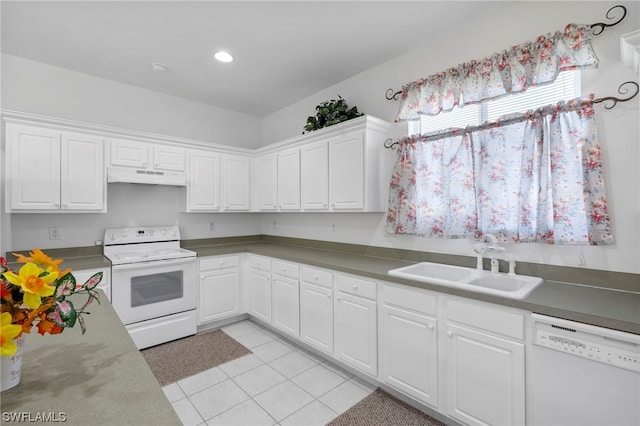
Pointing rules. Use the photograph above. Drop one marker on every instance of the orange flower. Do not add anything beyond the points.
(38, 257)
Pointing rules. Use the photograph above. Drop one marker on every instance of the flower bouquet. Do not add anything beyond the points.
(37, 296)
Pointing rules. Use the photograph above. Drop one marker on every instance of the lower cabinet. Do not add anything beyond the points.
(260, 288)
(355, 323)
(409, 343)
(485, 370)
(219, 288)
(285, 296)
(316, 309)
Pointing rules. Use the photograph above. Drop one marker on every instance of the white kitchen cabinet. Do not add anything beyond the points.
(289, 179)
(485, 363)
(409, 342)
(203, 193)
(50, 170)
(82, 275)
(355, 323)
(339, 168)
(145, 155)
(346, 171)
(236, 182)
(285, 293)
(314, 176)
(266, 182)
(219, 288)
(316, 308)
(260, 287)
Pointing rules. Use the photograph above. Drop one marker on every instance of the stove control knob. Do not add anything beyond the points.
(113, 236)
(124, 234)
(173, 233)
(164, 231)
(151, 232)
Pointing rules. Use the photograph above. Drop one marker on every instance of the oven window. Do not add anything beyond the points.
(154, 288)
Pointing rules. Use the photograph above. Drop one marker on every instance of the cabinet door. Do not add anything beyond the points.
(236, 180)
(168, 158)
(219, 295)
(34, 155)
(355, 332)
(346, 171)
(82, 171)
(289, 180)
(127, 153)
(485, 378)
(286, 305)
(260, 295)
(316, 316)
(204, 181)
(267, 183)
(314, 176)
(409, 353)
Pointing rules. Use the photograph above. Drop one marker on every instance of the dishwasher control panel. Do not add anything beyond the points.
(599, 344)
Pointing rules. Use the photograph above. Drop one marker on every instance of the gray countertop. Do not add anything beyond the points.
(603, 307)
(96, 378)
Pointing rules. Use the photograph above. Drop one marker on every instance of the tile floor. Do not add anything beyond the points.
(278, 384)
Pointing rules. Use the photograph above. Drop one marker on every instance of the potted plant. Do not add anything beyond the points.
(331, 112)
(37, 296)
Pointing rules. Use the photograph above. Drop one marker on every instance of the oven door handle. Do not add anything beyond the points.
(145, 265)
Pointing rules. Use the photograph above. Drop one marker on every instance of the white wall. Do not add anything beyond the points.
(516, 23)
(38, 88)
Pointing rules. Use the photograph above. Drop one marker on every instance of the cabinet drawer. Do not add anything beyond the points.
(259, 262)
(485, 317)
(286, 269)
(356, 286)
(219, 262)
(406, 297)
(317, 276)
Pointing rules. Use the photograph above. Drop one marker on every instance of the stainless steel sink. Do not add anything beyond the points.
(497, 283)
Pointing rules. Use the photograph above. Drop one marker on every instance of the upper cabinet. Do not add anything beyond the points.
(143, 155)
(50, 170)
(236, 182)
(340, 168)
(218, 182)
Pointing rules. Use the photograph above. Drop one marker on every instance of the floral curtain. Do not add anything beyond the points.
(510, 71)
(530, 177)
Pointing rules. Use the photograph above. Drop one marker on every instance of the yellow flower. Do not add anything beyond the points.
(33, 285)
(8, 332)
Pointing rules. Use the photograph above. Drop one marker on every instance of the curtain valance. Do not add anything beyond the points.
(514, 70)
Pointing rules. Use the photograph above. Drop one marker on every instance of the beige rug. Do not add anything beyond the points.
(185, 357)
(381, 408)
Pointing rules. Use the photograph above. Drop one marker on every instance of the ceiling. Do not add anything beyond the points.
(284, 50)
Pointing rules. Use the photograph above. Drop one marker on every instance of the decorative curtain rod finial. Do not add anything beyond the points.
(392, 96)
(622, 92)
(601, 25)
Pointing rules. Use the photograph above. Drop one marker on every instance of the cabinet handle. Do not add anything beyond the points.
(328, 296)
(450, 333)
(221, 262)
(315, 277)
(338, 298)
(355, 287)
(430, 327)
(284, 270)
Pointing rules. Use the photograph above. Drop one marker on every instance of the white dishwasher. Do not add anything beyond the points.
(583, 375)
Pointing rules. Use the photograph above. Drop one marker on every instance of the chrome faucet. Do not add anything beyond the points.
(488, 244)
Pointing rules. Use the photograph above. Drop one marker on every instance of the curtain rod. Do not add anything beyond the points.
(389, 143)
(391, 96)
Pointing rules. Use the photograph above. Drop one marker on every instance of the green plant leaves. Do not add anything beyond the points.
(331, 112)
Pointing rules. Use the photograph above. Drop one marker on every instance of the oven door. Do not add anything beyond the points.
(147, 290)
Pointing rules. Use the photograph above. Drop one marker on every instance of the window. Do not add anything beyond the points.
(565, 87)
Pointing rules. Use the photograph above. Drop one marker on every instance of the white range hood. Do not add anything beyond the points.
(149, 177)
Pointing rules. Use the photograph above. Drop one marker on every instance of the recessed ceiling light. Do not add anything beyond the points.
(223, 56)
(158, 67)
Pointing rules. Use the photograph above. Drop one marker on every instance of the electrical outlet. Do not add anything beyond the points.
(212, 226)
(54, 233)
(333, 229)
